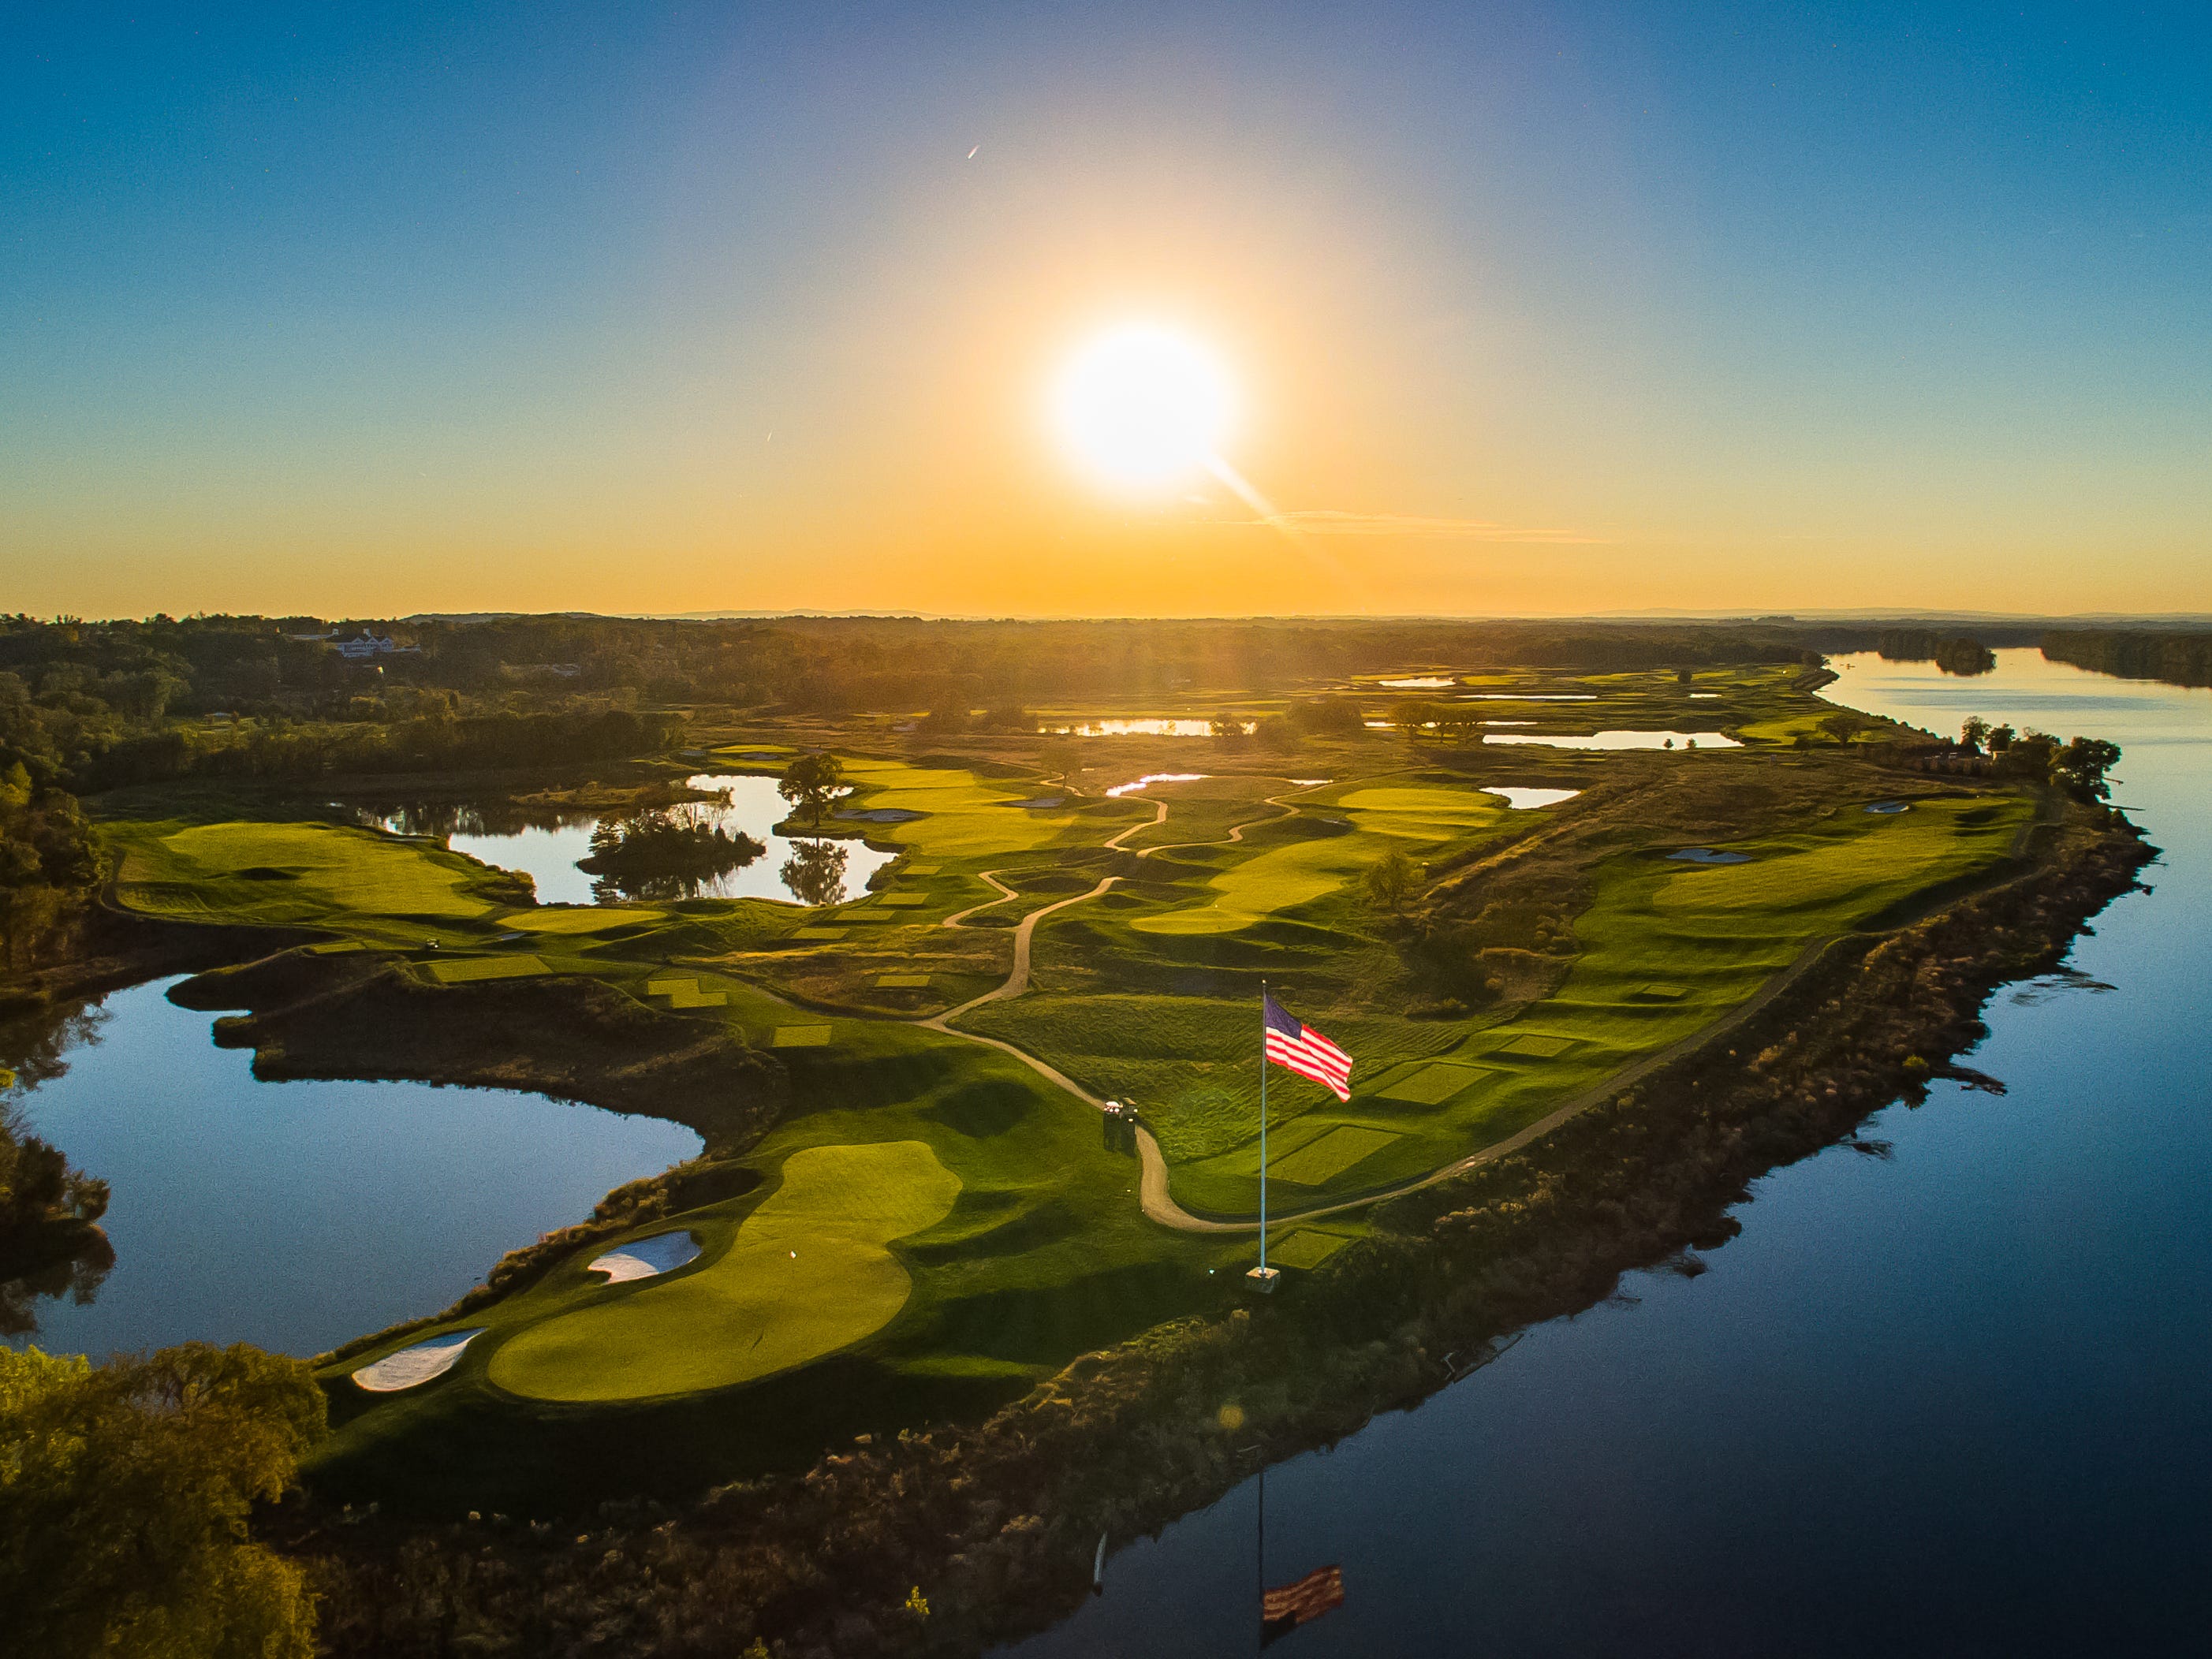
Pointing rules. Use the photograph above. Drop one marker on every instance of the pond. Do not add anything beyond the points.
(546, 843)
(294, 1215)
(1947, 1400)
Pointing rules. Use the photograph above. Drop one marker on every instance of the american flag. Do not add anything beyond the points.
(1305, 1050)
(1282, 1611)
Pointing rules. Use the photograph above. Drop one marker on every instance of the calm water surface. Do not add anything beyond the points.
(297, 1215)
(548, 851)
(1952, 1402)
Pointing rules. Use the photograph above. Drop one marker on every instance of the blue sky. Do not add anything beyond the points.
(700, 306)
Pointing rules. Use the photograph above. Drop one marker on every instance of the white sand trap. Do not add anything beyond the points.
(1522, 800)
(411, 1367)
(662, 1252)
(1628, 740)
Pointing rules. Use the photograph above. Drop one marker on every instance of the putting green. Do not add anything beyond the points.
(579, 921)
(964, 817)
(346, 869)
(808, 1274)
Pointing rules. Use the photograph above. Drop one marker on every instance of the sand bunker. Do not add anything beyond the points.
(1521, 800)
(411, 1367)
(646, 1257)
(1887, 807)
(1707, 855)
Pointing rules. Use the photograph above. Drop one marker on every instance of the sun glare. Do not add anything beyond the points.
(1144, 407)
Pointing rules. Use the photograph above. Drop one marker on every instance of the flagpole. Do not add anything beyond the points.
(1263, 1133)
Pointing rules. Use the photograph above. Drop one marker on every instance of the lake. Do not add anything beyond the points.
(297, 1215)
(1952, 1401)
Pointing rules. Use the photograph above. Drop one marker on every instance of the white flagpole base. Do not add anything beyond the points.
(1262, 1279)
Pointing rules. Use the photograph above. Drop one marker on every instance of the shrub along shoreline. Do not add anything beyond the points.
(995, 1522)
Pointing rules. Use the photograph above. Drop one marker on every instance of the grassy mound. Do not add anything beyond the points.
(807, 1274)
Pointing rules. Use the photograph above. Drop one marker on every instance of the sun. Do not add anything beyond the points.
(1143, 406)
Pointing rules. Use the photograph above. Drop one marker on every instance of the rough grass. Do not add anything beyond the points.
(807, 1274)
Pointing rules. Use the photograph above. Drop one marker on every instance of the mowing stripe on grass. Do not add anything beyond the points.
(800, 1036)
(901, 982)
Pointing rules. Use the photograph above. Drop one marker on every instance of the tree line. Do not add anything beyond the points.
(2178, 659)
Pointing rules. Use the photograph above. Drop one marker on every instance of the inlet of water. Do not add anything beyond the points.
(294, 1215)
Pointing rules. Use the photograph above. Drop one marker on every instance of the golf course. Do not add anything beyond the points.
(937, 1215)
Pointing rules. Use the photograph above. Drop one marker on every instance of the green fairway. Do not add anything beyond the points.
(580, 921)
(800, 1036)
(1359, 826)
(274, 870)
(807, 1275)
(966, 817)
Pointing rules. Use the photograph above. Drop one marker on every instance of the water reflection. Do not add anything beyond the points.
(294, 1215)
(550, 844)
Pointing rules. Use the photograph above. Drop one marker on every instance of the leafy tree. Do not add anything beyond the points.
(1277, 735)
(125, 1493)
(1391, 883)
(2080, 768)
(1329, 717)
(1843, 726)
(810, 782)
(1974, 732)
(1062, 758)
(1999, 738)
